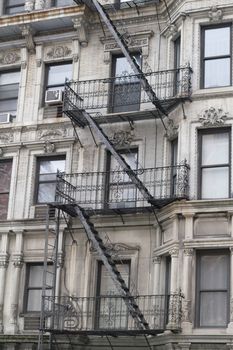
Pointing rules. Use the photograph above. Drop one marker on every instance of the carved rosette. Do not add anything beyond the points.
(59, 51)
(9, 57)
(123, 138)
(17, 260)
(215, 14)
(213, 117)
(49, 147)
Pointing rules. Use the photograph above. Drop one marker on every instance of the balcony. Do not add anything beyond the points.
(114, 191)
(124, 95)
(109, 315)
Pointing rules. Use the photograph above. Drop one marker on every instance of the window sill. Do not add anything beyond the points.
(220, 91)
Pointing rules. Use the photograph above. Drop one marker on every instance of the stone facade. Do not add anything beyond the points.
(180, 232)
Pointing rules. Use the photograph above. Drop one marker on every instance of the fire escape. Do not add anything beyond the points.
(77, 196)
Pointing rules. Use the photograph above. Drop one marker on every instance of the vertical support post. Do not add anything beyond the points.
(230, 324)
(174, 301)
(156, 279)
(187, 290)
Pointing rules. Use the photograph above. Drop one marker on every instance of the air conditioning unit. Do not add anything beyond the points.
(53, 97)
(5, 118)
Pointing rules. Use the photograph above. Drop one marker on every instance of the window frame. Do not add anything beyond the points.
(204, 59)
(37, 182)
(210, 131)
(107, 190)
(27, 288)
(199, 254)
(6, 7)
(18, 70)
(10, 160)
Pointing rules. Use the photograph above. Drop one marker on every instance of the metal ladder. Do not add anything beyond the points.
(49, 274)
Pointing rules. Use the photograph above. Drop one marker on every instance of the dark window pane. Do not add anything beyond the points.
(214, 272)
(217, 42)
(213, 309)
(9, 106)
(46, 192)
(5, 176)
(14, 2)
(217, 73)
(215, 148)
(34, 300)
(4, 198)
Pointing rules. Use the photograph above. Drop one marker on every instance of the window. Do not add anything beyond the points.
(5, 176)
(46, 178)
(59, 3)
(214, 163)
(177, 65)
(111, 310)
(167, 286)
(9, 87)
(125, 90)
(13, 6)
(34, 283)
(57, 74)
(121, 192)
(216, 56)
(174, 154)
(212, 288)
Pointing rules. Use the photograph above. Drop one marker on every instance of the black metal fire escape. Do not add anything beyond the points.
(81, 118)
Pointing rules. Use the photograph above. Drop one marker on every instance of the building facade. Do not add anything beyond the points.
(175, 256)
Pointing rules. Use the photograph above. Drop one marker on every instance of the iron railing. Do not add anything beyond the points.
(110, 313)
(125, 93)
(114, 189)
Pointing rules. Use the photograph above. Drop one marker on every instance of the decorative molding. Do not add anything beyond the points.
(213, 117)
(75, 57)
(172, 130)
(49, 147)
(9, 57)
(27, 33)
(186, 310)
(172, 30)
(38, 62)
(6, 137)
(215, 14)
(29, 5)
(117, 248)
(81, 25)
(122, 138)
(23, 64)
(17, 260)
(49, 134)
(59, 51)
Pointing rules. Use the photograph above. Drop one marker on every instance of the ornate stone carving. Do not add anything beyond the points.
(29, 4)
(39, 4)
(157, 259)
(81, 25)
(51, 134)
(171, 130)
(215, 14)
(174, 252)
(213, 117)
(186, 310)
(4, 260)
(9, 57)
(6, 138)
(115, 248)
(172, 30)
(59, 52)
(122, 138)
(17, 260)
(49, 147)
(28, 33)
(188, 252)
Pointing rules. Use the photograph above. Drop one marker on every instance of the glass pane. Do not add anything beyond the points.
(131, 157)
(217, 73)
(9, 78)
(46, 193)
(5, 176)
(9, 106)
(213, 309)
(215, 149)
(215, 183)
(58, 74)
(9, 91)
(123, 67)
(34, 300)
(4, 198)
(214, 272)
(217, 42)
(107, 286)
(51, 166)
(64, 2)
(36, 276)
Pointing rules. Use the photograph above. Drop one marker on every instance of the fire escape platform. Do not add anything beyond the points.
(108, 332)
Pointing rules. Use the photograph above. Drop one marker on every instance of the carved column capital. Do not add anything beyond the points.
(4, 260)
(174, 252)
(157, 259)
(188, 252)
(17, 260)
